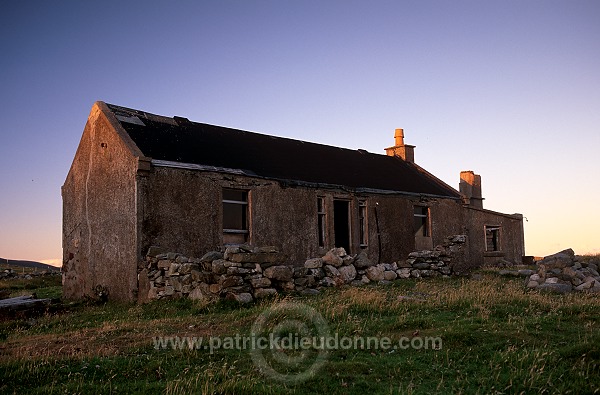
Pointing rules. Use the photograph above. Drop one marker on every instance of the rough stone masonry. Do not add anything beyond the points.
(565, 272)
(244, 273)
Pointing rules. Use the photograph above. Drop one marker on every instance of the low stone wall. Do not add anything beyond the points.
(14, 274)
(244, 273)
(437, 262)
(565, 272)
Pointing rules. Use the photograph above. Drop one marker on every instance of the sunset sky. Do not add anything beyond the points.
(508, 89)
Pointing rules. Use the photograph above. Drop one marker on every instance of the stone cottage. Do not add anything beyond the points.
(141, 180)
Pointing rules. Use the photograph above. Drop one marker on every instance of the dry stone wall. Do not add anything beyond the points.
(14, 274)
(441, 261)
(244, 273)
(565, 272)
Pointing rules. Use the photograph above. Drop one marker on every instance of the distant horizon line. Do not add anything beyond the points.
(57, 262)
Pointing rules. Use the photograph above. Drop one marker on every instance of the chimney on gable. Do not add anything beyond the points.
(470, 188)
(404, 151)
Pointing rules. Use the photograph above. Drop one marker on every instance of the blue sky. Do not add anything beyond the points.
(509, 89)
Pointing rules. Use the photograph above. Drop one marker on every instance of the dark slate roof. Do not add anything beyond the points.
(274, 157)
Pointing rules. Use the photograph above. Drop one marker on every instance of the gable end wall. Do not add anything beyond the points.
(99, 214)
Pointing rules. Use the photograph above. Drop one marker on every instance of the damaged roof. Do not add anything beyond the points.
(290, 161)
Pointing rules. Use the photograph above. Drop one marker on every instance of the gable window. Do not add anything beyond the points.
(321, 221)
(235, 216)
(492, 238)
(362, 221)
(421, 221)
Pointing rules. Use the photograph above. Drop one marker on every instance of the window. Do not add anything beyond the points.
(421, 216)
(362, 221)
(492, 238)
(321, 220)
(235, 216)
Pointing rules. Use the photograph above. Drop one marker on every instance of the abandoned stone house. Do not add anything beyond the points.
(141, 180)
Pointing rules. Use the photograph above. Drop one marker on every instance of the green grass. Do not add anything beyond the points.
(498, 338)
(43, 286)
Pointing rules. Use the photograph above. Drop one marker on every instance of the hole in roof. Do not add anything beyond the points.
(129, 119)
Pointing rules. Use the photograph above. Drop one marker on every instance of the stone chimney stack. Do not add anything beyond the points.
(470, 188)
(404, 151)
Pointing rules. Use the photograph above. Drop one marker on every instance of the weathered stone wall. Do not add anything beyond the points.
(446, 259)
(183, 212)
(395, 215)
(446, 219)
(512, 245)
(14, 274)
(244, 273)
(99, 213)
(396, 218)
(564, 272)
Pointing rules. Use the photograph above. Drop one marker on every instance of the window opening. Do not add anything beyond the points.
(235, 216)
(421, 221)
(362, 220)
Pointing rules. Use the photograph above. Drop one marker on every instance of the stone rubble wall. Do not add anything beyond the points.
(565, 272)
(437, 262)
(244, 273)
(14, 274)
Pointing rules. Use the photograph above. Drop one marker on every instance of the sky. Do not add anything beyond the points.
(508, 89)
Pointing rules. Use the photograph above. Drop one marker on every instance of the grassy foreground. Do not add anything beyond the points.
(498, 338)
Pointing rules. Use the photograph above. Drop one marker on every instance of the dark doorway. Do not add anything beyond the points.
(341, 224)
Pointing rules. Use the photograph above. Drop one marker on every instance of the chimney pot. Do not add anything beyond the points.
(399, 137)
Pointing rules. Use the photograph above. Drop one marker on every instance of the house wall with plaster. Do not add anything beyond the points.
(99, 214)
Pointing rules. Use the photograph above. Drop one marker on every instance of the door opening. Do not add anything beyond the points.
(341, 224)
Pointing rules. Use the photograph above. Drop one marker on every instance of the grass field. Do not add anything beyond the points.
(43, 286)
(498, 338)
